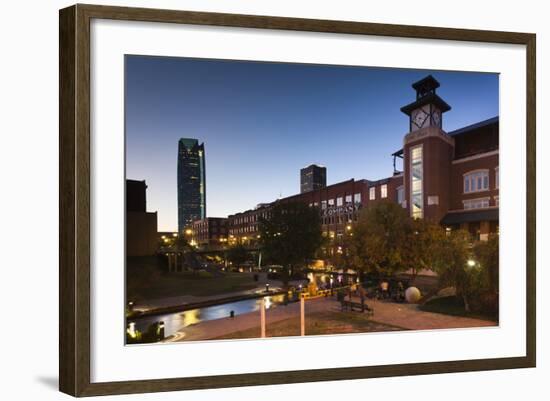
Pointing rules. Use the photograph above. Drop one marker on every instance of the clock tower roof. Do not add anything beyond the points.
(426, 94)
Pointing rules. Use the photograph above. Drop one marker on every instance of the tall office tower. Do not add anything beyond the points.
(191, 182)
(312, 177)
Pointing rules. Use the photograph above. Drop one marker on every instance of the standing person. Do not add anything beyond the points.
(384, 287)
(341, 297)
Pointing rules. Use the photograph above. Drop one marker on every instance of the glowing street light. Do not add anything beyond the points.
(471, 263)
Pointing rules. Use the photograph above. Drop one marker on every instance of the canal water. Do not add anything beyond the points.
(174, 322)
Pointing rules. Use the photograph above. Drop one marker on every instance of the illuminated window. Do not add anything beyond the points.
(384, 191)
(476, 203)
(476, 181)
(372, 193)
(339, 201)
(331, 202)
(348, 199)
(417, 176)
(323, 205)
(357, 197)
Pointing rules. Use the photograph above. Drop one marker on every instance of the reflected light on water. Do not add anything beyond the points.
(191, 317)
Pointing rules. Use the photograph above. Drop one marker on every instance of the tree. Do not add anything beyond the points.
(454, 264)
(386, 241)
(379, 239)
(487, 255)
(238, 255)
(422, 238)
(291, 235)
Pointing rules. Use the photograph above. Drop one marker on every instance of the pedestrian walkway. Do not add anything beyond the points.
(406, 316)
(410, 317)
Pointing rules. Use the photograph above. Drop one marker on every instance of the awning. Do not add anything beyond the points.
(470, 216)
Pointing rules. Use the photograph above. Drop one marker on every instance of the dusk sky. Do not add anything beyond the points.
(262, 122)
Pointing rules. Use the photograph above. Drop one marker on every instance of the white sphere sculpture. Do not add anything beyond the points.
(412, 295)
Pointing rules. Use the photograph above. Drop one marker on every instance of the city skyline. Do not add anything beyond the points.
(252, 116)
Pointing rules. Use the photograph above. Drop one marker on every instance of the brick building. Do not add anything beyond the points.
(449, 178)
(209, 231)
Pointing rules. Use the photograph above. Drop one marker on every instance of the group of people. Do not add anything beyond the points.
(384, 290)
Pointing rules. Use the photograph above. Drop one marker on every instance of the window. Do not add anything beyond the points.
(323, 205)
(339, 201)
(497, 179)
(348, 199)
(400, 195)
(476, 203)
(417, 176)
(357, 198)
(372, 193)
(331, 202)
(476, 181)
(384, 191)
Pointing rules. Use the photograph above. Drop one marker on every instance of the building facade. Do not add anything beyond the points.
(191, 182)
(141, 226)
(312, 177)
(209, 231)
(448, 178)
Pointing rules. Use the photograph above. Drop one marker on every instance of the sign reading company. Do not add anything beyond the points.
(339, 210)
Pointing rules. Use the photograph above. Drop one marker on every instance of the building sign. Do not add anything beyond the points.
(339, 210)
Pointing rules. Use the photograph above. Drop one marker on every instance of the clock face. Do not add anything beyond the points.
(419, 118)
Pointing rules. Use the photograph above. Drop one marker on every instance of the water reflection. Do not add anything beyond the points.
(174, 322)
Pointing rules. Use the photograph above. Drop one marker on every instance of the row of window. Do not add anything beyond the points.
(478, 181)
(244, 230)
(340, 219)
(254, 218)
(338, 201)
(383, 192)
(479, 203)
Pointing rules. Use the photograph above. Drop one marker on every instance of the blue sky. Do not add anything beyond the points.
(262, 122)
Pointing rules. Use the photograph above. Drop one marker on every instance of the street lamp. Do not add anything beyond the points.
(471, 263)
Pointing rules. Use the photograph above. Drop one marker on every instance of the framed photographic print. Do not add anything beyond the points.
(250, 200)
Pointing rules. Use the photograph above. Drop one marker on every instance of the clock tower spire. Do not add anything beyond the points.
(428, 108)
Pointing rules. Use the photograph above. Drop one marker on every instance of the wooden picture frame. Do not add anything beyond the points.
(74, 206)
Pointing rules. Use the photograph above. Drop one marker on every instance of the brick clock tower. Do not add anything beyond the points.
(427, 154)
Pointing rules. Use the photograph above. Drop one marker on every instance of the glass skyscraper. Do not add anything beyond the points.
(191, 182)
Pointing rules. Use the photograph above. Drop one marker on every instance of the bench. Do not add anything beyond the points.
(360, 307)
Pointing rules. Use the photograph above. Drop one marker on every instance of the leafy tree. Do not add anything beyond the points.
(238, 254)
(386, 240)
(291, 235)
(487, 255)
(379, 239)
(451, 262)
(422, 238)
